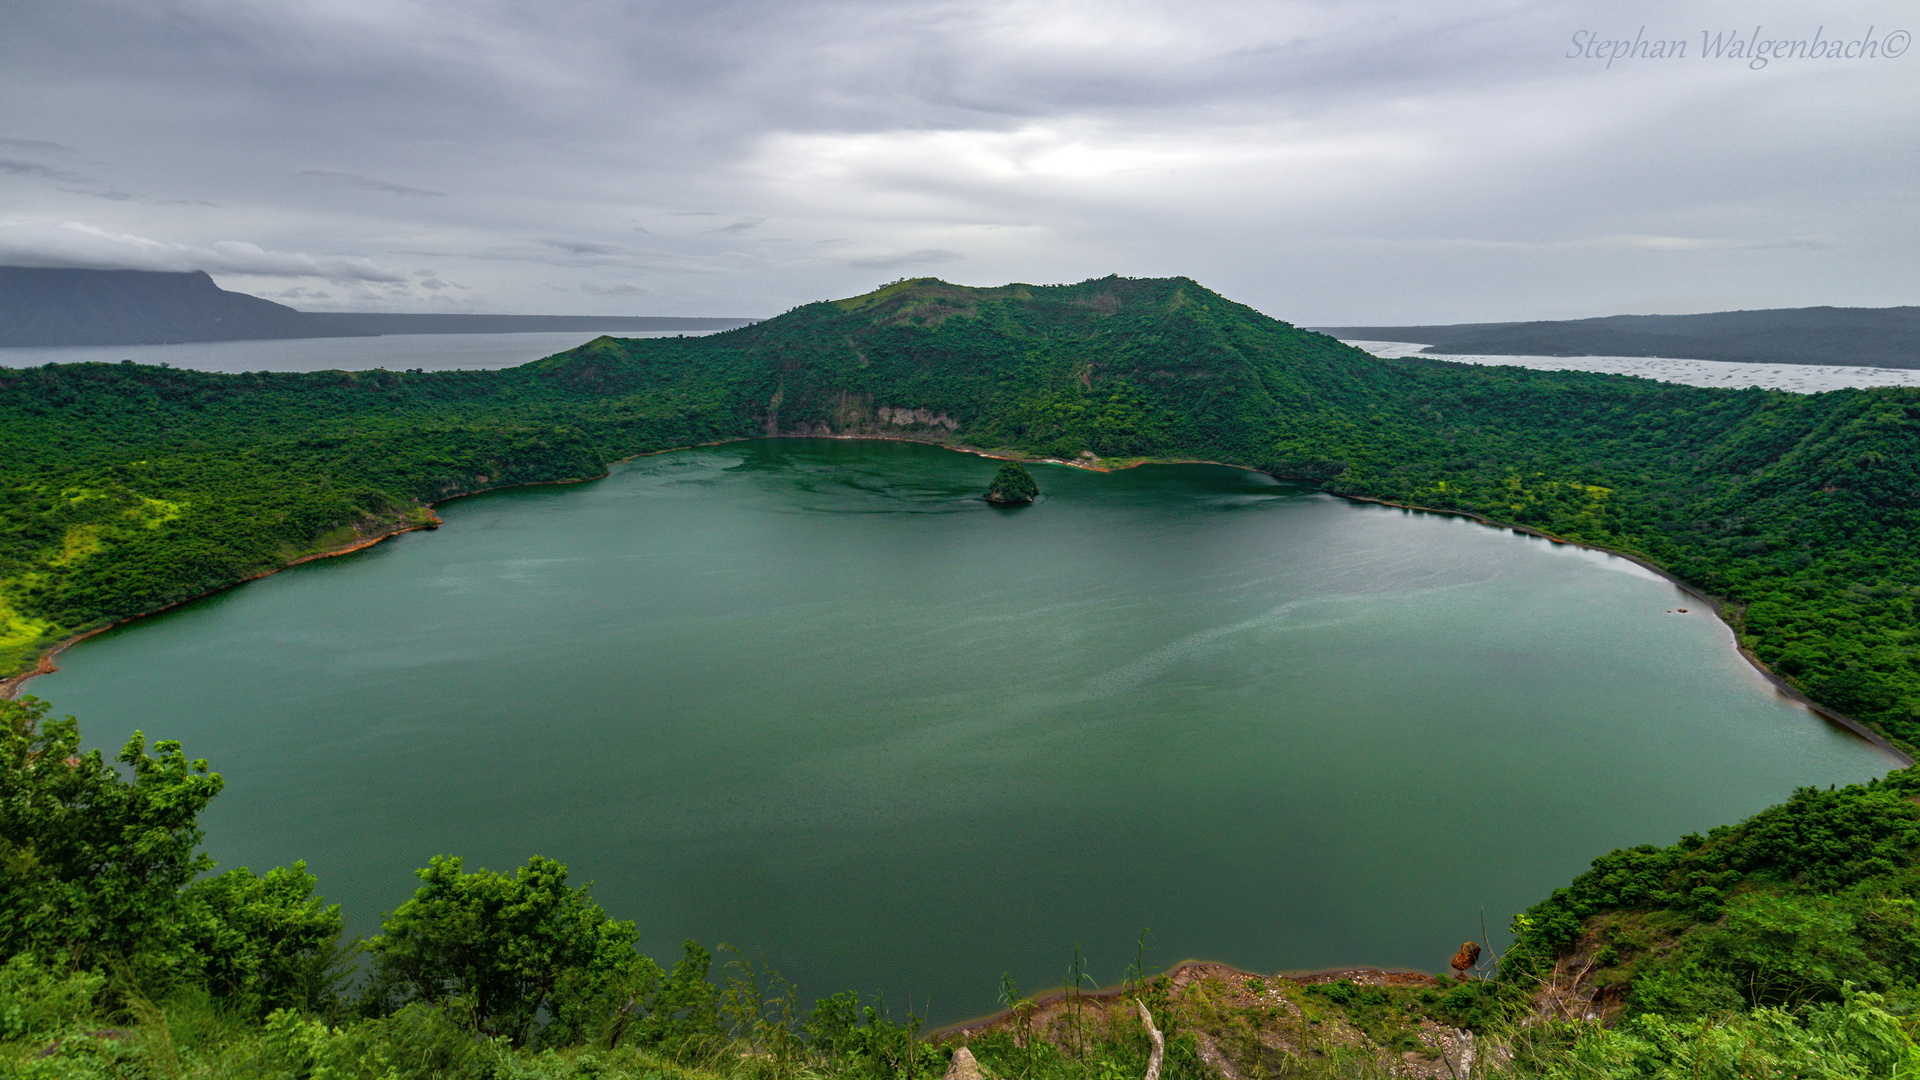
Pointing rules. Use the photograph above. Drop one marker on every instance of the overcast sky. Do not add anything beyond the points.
(1370, 161)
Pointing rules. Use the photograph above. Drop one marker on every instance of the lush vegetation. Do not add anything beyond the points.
(129, 487)
(1801, 904)
(1788, 945)
(1012, 484)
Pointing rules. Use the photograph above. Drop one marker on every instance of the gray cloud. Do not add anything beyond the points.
(1372, 160)
(922, 257)
(38, 144)
(618, 288)
(582, 247)
(34, 243)
(346, 179)
(34, 168)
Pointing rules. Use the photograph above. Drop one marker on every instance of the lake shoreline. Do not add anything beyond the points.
(697, 611)
(1714, 604)
(12, 686)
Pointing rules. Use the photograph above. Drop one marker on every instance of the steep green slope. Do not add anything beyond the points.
(1805, 902)
(132, 487)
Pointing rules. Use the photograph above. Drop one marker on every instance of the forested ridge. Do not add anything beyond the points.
(131, 487)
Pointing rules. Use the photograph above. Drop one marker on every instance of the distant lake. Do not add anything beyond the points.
(1714, 374)
(446, 352)
(395, 352)
(815, 698)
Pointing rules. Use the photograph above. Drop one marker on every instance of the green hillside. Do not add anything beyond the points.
(131, 487)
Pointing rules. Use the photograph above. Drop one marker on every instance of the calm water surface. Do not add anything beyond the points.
(815, 698)
(1716, 374)
(395, 352)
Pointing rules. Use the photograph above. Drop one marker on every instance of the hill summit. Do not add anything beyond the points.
(1119, 367)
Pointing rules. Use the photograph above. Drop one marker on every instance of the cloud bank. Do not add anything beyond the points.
(32, 243)
(1366, 161)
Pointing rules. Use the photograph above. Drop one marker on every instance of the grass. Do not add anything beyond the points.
(1219, 1025)
(22, 639)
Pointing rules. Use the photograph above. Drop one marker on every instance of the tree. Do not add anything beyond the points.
(1012, 484)
(266, 942)
(500, 947)
(92, 865)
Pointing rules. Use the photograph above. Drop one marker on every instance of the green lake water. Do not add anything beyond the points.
(817, 699)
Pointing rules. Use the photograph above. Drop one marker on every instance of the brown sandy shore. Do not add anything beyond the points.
(11, 687)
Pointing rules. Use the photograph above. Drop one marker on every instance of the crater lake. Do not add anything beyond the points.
(818, 700)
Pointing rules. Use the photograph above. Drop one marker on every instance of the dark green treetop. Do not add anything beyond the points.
(508, 951)
(97, 871)
(1012, 484)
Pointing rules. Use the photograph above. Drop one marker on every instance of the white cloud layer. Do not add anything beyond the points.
(71, 244)
(1351, 162)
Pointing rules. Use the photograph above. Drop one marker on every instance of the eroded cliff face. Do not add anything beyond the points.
(858, 415)
(899, 417)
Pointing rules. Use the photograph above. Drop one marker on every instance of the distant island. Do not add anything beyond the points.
(1861, 337)
(42, 306)
(1012, 486)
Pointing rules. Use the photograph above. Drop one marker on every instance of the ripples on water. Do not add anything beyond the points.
(818, 698)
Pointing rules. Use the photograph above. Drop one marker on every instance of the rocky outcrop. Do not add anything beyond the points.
(901, 417)
(1012, 486)
(1464, 960)
(964, 1067)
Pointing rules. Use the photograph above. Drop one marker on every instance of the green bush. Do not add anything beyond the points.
(509, 948)
(36, 1002)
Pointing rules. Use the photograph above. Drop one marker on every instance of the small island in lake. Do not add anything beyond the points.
(1012, 485)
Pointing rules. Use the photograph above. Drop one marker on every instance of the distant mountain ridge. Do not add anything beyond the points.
(1869, 337)
(138, 307)
(45, 306)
